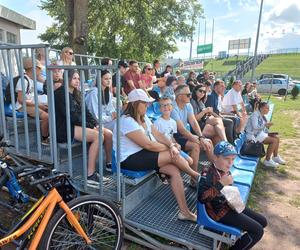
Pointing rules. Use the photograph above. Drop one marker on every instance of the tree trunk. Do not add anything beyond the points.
(77, 11)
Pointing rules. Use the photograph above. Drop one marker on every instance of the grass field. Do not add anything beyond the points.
(283, 123)
(221, 67)
(284, 64)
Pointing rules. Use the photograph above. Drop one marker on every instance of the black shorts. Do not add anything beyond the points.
(141, 161)
(180, 140)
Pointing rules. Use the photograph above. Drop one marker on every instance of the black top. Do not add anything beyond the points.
(209, 193)
(75, 115)
(114, 81)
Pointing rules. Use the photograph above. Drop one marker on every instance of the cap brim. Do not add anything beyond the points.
(229, 153)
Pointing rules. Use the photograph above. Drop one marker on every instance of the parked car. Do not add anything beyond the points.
(271, 75)
(279, 86)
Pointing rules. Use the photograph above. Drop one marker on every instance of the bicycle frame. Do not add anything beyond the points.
(46, 207)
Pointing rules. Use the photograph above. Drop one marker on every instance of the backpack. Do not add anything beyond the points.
(7, 98)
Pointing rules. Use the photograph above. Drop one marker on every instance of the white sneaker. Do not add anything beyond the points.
(279, 160)
(270, 163)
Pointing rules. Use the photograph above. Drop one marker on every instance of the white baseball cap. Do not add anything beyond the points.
(139, 95)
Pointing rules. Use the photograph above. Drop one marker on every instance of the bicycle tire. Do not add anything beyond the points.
(103, 225)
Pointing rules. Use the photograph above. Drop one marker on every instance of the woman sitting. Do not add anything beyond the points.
(212, 182)
(164, 86)
(143, 148)
(66, 57)
(92, 133)
(147, 77)
(108, 111)
(192, 80)
(257, 130)
(210, 123)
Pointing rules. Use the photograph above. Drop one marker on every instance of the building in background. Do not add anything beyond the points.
(11, 23)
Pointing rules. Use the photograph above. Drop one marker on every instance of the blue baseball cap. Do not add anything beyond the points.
(224, 148)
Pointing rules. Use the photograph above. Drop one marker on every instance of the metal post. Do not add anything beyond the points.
(68, 118)
(256, 42)
(118, 139)
(84, 149)
(212, 42)
(2, 111)
(204, 36)
(100, 156)
(191, 44)
(24, 103)
(36, 106)
(198, 43)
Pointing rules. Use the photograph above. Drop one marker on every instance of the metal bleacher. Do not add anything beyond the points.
(148, 206)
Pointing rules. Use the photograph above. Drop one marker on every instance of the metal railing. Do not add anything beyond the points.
(26, 136)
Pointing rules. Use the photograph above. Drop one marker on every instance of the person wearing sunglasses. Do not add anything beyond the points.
(66, 57)
(211, 124)
(147, 77)
(183, 114)
(143, 148)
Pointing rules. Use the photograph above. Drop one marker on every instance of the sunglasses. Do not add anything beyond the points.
(187, 95)
(202, 91)
(166, 105)
(70, 52)
(149, 68)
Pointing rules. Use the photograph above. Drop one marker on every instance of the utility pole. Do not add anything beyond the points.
(204, 35)
(198, 35)
(256, 42)
(191, 45)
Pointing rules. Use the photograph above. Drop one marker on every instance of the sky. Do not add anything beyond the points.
(234, 19)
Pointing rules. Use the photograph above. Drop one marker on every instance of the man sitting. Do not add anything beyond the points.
(183, 114)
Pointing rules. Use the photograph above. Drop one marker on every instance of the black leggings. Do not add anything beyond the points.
(251, 222)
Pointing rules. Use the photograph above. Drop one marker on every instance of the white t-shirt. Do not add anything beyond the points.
(127, 146)
(29, 95)
(166, 127)
(231, 98)
(220, 100)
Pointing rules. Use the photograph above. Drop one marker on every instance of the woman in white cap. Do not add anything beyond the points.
(143, 148)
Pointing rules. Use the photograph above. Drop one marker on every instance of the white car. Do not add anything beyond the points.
(279, 86)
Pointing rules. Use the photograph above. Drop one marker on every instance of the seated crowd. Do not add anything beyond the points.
(197, 114)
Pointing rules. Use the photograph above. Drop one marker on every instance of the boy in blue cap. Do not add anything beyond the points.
(212, 180)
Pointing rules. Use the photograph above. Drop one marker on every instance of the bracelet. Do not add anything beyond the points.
(201, 137)
(171, 145)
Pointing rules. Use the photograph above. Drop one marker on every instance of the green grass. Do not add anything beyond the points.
(284, 64)
(295, 201)
(283, 123)
(221, 67)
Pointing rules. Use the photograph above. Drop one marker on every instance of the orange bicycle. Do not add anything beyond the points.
(86, 222)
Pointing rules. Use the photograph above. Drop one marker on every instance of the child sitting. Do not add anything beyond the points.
(212, 182)
(167, 126)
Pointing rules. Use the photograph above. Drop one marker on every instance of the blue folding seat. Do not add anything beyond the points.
(129, 173)
(242, 176)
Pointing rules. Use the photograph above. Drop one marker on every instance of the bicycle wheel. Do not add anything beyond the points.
(99, 218)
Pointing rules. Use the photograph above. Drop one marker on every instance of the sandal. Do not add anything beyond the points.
(191, 217)
(163, 178)
(192, 184)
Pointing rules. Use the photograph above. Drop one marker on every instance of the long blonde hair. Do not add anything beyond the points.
(63, 55)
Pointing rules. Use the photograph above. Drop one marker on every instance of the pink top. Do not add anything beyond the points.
(147, 80)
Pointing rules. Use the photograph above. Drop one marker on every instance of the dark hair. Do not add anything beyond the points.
(76, 92)
(132, 62)
(105, 94)
(170, 79)
(262, 104)
(155, 61)
(217, 83)
(123, 64)
(190, 74)
(131, 110)
(105, 61)
(179, 88)
(194, 94)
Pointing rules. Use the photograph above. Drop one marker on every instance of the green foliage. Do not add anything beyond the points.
(142, 30)
(295, 92)
(231, 80)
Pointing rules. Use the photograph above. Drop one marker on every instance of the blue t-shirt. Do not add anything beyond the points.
(182, 114)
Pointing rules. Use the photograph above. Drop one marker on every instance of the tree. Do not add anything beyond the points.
(295, 92)
(142, 30)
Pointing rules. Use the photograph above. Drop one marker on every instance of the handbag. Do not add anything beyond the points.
(233, 198)
(252, 148)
